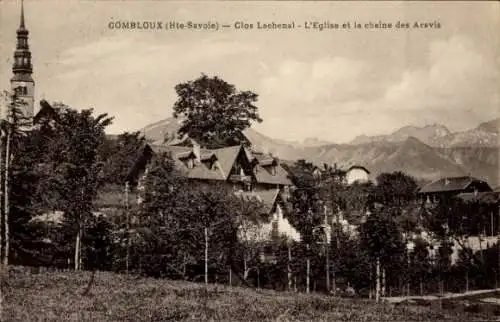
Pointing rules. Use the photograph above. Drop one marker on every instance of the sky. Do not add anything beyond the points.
(332, 85)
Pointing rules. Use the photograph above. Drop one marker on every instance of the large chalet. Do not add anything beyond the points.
(249, 173)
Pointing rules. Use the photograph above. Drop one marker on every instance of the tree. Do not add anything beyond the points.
(420, 262)
(307, 212)
(396, 189)
(14, 127)
(307, 205)
(180, 219)
(381, 237)
(120, 155)
(80, 167)
(251, 235)
(213, 111)
(64, 158)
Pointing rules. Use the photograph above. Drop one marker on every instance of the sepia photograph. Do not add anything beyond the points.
(249, 160)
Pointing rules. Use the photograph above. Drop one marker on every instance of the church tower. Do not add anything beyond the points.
(22, 83)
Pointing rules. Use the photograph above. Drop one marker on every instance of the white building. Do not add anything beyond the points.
(358, 174)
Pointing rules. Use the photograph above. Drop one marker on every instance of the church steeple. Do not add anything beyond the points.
(21, 26)
(22, 82)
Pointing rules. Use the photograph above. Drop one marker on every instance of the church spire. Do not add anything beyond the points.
(22, 55)
(21, 25)
(22, 82)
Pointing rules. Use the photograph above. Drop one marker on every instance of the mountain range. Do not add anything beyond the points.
(436, 135)
(427, 153)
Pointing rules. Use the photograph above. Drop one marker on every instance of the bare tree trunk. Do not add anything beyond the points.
(421, 285)
(245, 269)
(78, 242)
(6, 196)
(467, 280)
(334, 283)
(80, 257)
(377, 281)
(370, 293)
(77, 251)
(2, 220)
(206, 256)
(327, 267)
(308, 268)
(127, 257)
(289, 268)
(258, 277)
(498, 243)
(383, 282)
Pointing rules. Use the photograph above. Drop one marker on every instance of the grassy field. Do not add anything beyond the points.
(60, 297)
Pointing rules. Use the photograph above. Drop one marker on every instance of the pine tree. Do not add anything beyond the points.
(14, 126)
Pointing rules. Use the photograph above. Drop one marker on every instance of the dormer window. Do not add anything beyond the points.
(190, 163)
(273, 170)
(237, 169)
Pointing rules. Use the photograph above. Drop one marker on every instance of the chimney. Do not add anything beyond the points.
(196, 152)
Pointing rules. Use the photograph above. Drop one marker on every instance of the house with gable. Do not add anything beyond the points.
(248, 173)
(449, 187)
(478, 199)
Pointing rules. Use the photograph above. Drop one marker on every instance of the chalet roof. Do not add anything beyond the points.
(178, 140)
(358, 167)
(268, 198)
(264, 175)
(225, 159)
(262, 169)
(207, 155)
(489, 197)
(265, 159)
(449, 184)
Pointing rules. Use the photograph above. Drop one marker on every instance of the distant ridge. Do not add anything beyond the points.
(486, 134)
(428, 152)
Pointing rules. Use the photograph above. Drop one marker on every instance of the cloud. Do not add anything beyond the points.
(133, 78)
(117, 56)
(456, 77)
(328, 80)
(455, 85)
(333, 97)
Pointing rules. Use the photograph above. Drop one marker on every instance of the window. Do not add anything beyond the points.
(274, 229)
(273, 170)
(190, 163)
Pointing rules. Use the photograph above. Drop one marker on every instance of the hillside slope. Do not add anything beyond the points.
(113, 297)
